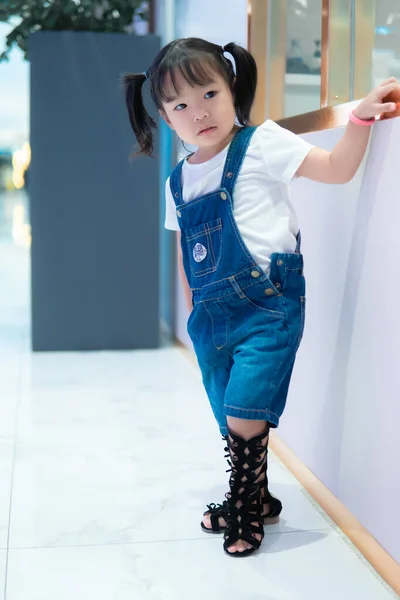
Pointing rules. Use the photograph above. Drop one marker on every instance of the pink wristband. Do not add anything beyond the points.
(363, 122)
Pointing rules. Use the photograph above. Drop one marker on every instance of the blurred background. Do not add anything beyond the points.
(14, 145)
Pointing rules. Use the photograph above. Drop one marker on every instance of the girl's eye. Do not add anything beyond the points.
(180, 107)
(210, 95)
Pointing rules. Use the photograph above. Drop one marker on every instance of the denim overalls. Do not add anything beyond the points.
(245, 327)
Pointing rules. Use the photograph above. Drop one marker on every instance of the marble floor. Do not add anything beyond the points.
(106, 463)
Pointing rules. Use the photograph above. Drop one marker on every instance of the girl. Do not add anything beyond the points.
(239, 250)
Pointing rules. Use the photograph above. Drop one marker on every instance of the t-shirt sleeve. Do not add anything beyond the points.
(282, 150)
(171, 220)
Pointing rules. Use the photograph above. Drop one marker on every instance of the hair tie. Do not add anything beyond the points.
(229, 59)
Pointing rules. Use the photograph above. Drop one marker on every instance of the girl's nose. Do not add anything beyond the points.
(200, 115)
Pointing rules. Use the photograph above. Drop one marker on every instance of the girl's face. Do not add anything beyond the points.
(203, 116)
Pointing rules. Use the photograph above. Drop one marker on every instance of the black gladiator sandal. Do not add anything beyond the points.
(245, 518)
(217, 511)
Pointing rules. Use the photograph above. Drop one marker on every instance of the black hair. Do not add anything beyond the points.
(190, 58)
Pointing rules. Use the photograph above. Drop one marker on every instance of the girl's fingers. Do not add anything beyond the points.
(388, 107)
(390, 80)
(384, 90)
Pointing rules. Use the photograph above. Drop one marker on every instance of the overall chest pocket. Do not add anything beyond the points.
(204, 243)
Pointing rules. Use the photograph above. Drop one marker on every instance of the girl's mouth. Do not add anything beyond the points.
(207, 130)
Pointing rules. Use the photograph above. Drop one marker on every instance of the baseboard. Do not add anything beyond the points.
(362, 539)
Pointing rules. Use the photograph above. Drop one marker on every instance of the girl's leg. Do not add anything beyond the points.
(244, 511)
(247, 430)
(214, 520)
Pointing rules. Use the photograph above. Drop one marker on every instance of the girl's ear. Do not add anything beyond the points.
(164, 116)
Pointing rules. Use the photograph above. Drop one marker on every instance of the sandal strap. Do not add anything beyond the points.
(215, 511)
(275, 507)
(232, 537)
(214, 520)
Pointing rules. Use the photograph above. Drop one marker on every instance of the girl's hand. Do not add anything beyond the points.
(373, 105)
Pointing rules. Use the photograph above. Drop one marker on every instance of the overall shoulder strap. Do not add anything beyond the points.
(237, 152)
(175, 182)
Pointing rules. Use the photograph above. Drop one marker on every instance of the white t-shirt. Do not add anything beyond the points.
(261, 201)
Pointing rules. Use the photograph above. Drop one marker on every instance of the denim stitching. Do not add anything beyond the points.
(239, 239)
(213, 330)
(274, 313)
(286, 324)
(240, 292)
(237, 287)
(190, 238)
(245, 287)
(232, 293)
(257, 410)
(211, 246)
(228, 320)
(199, 199)
(175, 183)
(302, 321)
(204, 272)
(219, 280)
(216, 263)
(230, 183)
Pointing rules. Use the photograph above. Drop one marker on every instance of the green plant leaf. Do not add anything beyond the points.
(66, 15)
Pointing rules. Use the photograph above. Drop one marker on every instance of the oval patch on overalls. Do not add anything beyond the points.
(199, 252)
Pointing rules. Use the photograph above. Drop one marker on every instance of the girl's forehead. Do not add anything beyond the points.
(175, 83)
(181, 80)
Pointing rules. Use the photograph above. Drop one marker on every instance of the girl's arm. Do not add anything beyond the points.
(186, 289)
(340, 165)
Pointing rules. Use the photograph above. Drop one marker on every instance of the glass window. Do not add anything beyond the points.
(303, 57)
(386, 53)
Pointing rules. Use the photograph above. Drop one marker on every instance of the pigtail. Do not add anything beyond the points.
(139, 118)
(246, 81)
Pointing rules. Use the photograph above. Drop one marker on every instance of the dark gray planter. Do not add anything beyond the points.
(94, 214)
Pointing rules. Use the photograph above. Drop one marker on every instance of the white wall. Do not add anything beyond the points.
(327, 215)
(344, 411)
